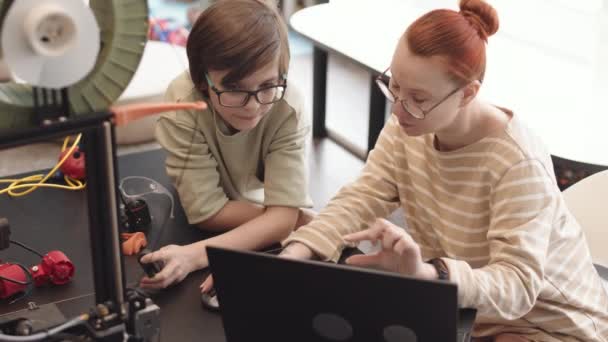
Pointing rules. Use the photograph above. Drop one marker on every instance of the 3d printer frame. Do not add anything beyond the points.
(100, 153)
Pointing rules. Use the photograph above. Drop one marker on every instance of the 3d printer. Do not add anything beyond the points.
(71, 61)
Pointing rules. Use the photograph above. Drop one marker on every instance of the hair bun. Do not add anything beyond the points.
(481, 15)
(271, 3)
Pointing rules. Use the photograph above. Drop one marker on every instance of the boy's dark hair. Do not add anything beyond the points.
(240, 35)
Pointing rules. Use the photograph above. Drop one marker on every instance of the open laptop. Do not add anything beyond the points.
(267, 298)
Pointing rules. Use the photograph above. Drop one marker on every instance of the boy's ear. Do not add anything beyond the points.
(204, 89)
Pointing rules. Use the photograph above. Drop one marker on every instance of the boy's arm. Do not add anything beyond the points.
(191, 167)
(232, 215)
(274, 225)
(285, 191)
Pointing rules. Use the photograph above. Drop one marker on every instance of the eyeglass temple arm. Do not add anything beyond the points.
(384, 75)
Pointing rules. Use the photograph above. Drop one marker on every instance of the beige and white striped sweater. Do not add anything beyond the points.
(492, 210)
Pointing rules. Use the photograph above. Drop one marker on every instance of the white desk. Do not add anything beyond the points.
(557, 83)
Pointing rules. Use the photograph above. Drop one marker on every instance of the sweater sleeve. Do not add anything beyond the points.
(522, 208)
(374, 194)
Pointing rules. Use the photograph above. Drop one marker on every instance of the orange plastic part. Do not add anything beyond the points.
(133, 242)
(132, 112)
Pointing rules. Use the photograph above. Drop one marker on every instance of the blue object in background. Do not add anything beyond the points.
(176, 12)
(172, 10)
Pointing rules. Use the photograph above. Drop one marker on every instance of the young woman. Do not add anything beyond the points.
(478, 190)
(239, 166)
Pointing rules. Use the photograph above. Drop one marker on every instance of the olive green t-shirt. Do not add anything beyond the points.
(210, 166)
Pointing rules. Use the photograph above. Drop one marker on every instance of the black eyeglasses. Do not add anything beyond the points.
(412, 109)
(235, 98)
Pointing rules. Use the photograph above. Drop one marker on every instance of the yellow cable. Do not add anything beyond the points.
(31, 183)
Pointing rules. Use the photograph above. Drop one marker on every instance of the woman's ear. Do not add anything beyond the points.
(470, 92)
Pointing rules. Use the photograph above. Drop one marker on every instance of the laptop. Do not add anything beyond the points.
(267, 298)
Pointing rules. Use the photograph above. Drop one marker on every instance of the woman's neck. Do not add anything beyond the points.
(476, 121)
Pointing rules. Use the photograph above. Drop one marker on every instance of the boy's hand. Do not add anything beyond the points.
(207, 284)
(179, 261)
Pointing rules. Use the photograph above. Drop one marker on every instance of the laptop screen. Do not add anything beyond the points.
(268, 298)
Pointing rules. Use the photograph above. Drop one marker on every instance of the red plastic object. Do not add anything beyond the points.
(11, 271)
(74, 165)
(178, 37)
(55, 268)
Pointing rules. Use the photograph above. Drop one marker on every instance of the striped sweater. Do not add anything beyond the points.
(493, 212)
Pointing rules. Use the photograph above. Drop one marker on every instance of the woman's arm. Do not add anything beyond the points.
(374, 194)
(522, 209)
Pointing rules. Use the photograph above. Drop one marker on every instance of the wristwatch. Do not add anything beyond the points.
(442, 269)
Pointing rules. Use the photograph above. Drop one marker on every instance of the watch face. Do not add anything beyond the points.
(442, 269)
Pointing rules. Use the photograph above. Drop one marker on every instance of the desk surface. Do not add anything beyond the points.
(57, 220)
(40, 220)
(551, 69)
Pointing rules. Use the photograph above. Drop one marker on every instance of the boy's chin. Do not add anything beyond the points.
(245, 125)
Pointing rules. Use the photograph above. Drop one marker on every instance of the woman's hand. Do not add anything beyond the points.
(178, 262)
(399, 253)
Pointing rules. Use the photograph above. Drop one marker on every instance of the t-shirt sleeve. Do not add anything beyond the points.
(285, 167)
(189, 163)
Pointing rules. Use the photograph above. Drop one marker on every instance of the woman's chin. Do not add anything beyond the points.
(412, 131)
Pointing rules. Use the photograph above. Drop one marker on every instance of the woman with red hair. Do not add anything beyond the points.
(478, 191)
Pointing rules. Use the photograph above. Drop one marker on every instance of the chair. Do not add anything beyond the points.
(587, 201)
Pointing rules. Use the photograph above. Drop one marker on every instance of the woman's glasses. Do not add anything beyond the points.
(412, 109)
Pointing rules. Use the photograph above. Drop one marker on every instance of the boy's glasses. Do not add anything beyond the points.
(235, 98)
(412, 109)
